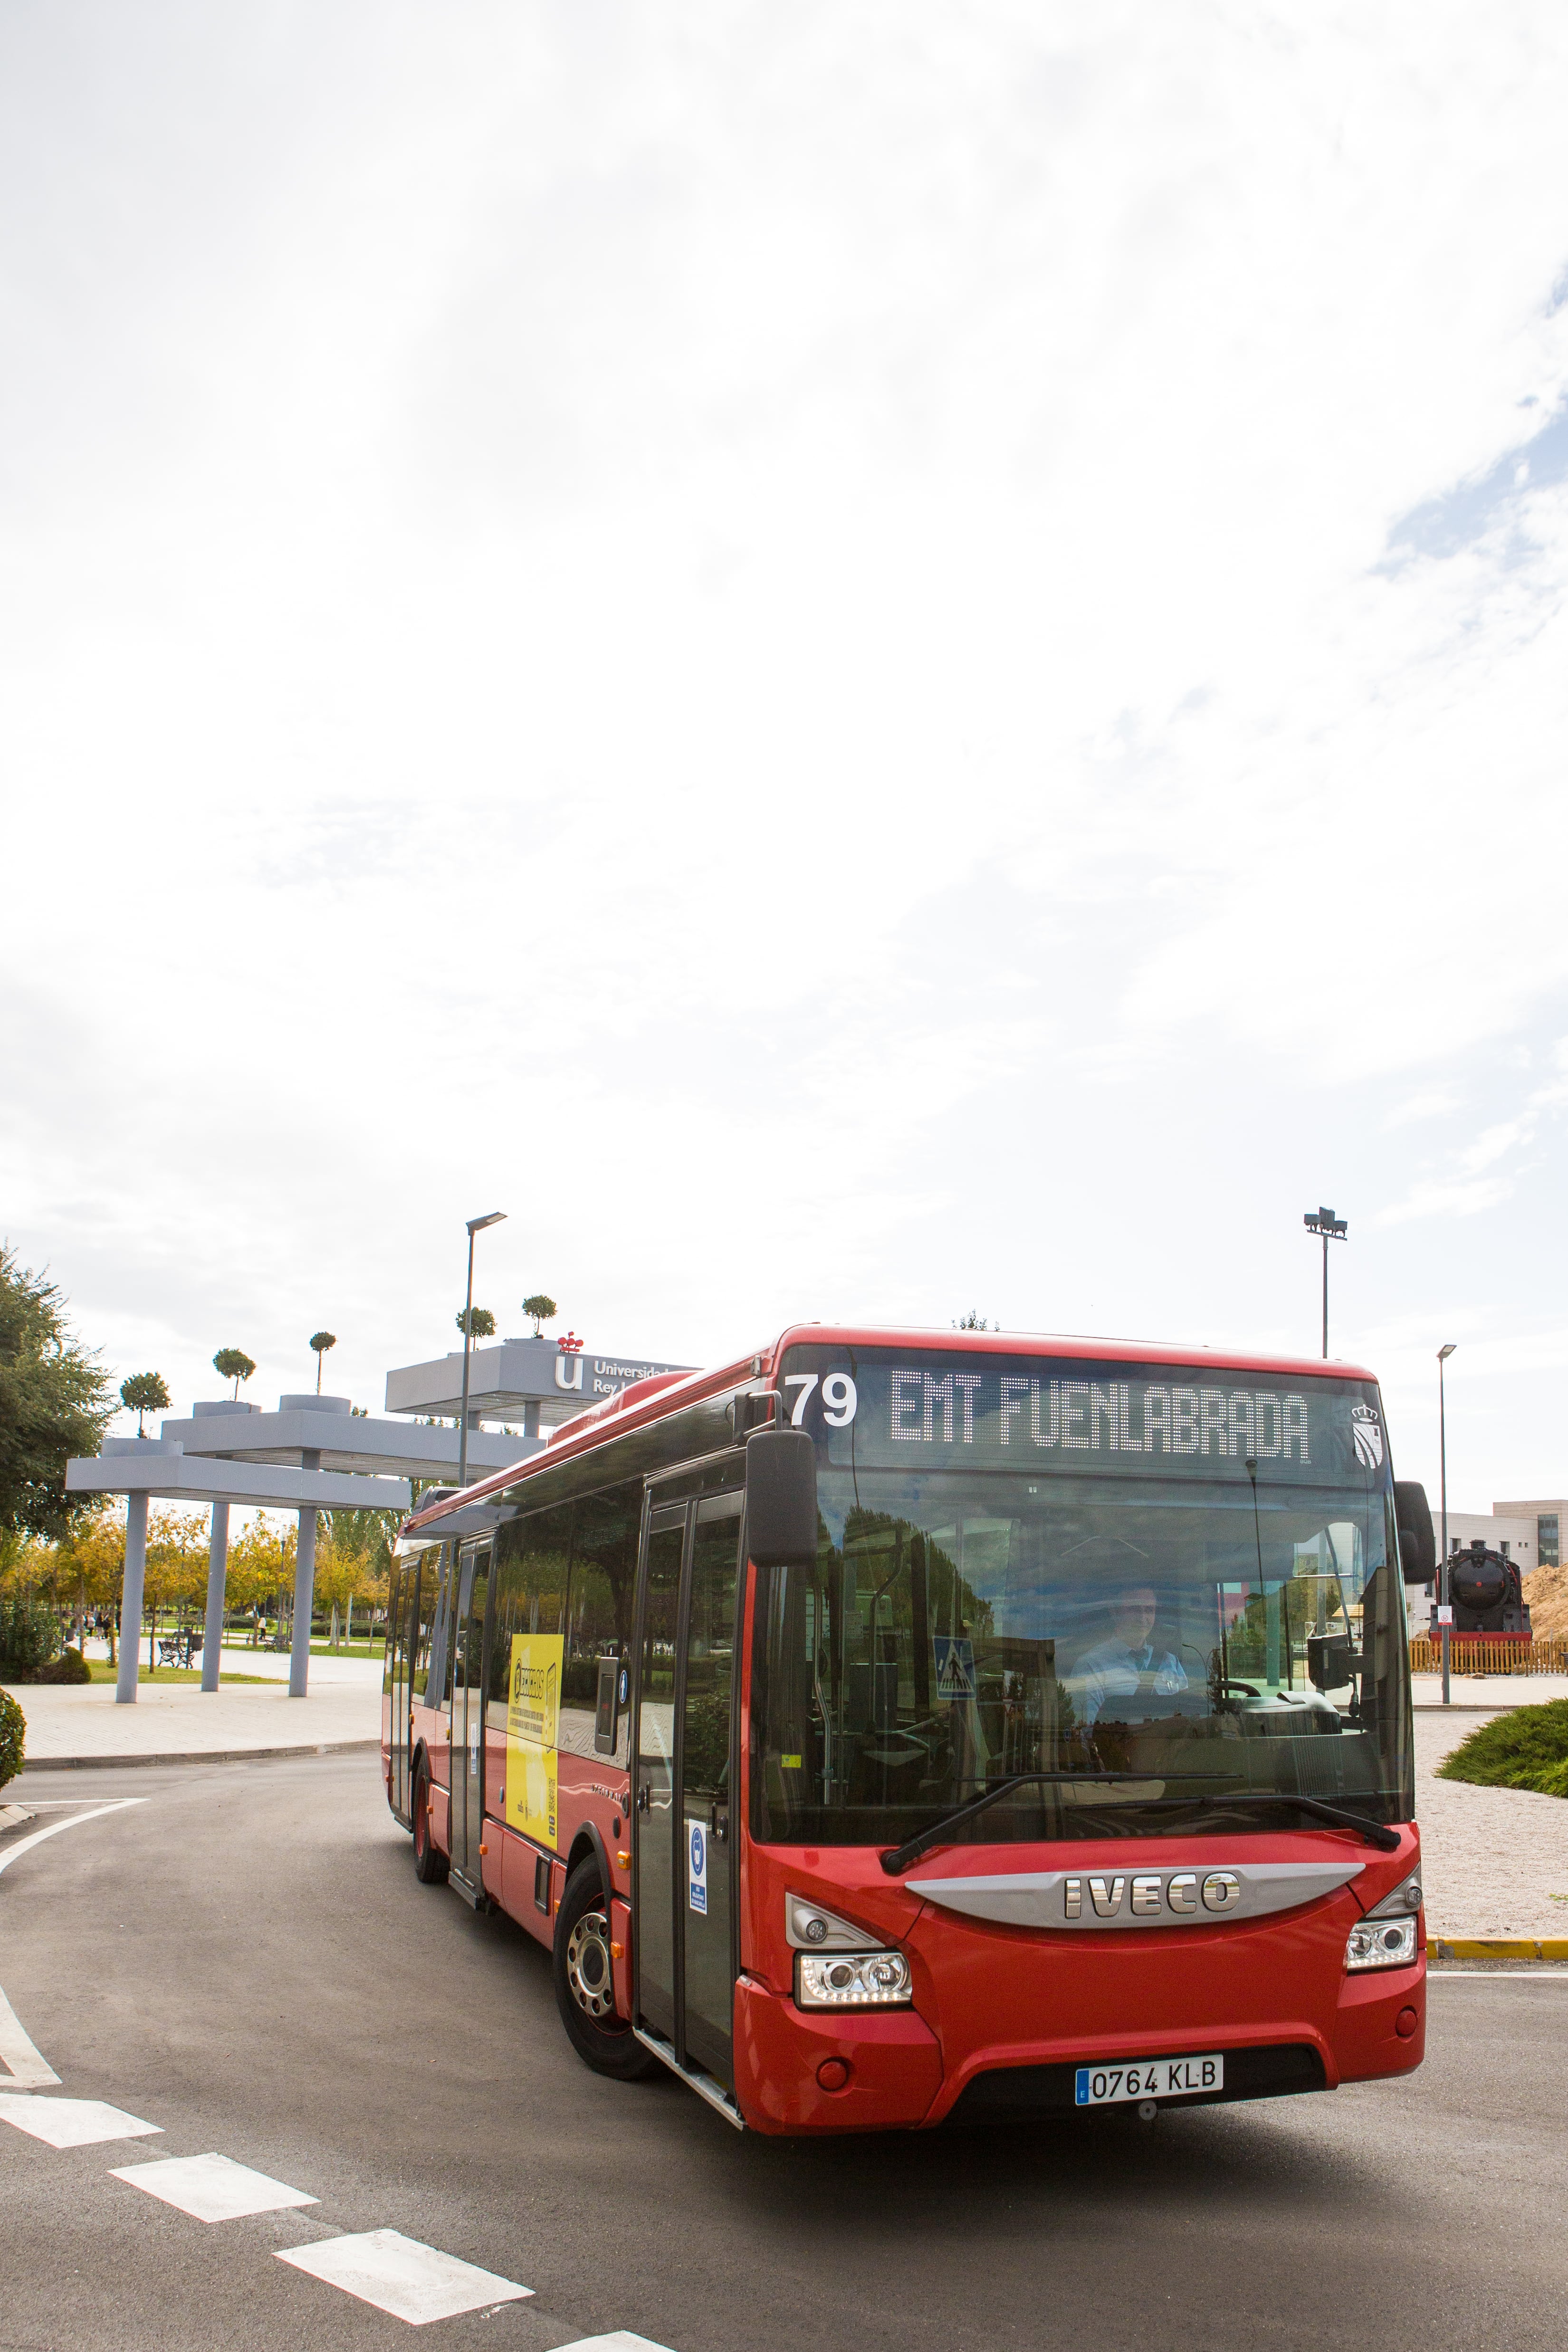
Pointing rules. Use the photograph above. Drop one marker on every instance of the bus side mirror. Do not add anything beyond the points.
(1417, 1544)
(781, 1498)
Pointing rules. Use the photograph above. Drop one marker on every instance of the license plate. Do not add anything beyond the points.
(1149, 2078)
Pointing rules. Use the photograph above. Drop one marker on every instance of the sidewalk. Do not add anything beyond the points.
(82, 1725)
(1494, 1861)
(1489, 1690)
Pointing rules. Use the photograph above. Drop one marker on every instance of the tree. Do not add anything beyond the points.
(322, 1341)
(55, 1401)
(972, 1321)
(481, 1322)
(233, 1364)
(142, 1394)
(544, 1310)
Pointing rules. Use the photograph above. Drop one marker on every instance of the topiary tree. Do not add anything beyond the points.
(233, 1364)
(544, 1310)
(322, 1341)
(481, 1323)
(144, 1393)
(12, 1737)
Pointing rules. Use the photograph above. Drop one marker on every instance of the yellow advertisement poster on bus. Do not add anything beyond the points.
(534, 1702)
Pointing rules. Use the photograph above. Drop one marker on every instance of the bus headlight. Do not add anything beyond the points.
(1381, 1944)
(852, 1979)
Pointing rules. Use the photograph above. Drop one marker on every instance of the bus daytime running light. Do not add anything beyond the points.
(852, 1981)
(1381, 1944)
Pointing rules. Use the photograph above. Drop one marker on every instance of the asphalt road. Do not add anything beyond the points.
(245, 1959)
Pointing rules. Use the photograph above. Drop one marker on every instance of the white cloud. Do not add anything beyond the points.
(795, 645)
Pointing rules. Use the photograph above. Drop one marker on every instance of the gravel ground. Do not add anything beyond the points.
(1494, 1858)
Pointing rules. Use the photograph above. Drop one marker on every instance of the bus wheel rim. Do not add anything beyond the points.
(588, 1966)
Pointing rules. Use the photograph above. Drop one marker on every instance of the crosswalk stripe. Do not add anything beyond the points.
(398, 2274)
(623, 2340)
(71, 2123)
(211, 2188)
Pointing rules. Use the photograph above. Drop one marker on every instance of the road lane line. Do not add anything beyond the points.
(30, 2071)
(398, 2274)
(54, 1829)
(211, 2188)
(71, 2123)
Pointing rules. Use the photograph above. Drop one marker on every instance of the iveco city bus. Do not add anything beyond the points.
(890, 1729)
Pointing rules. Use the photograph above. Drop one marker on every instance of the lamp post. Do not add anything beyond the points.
(476, 1226)
(1332, 1229)
(1445, 1604)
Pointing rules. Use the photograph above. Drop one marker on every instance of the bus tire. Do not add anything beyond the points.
(431, 1865)
(583, 1985)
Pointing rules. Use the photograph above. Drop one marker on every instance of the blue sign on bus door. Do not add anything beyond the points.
(697, 1877)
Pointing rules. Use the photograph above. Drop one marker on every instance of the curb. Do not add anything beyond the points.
(1497, 1948)
(204, 1755)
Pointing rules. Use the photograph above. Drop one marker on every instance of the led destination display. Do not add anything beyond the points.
(872, 1406)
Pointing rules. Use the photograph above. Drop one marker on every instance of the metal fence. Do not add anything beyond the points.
(1478, 1653)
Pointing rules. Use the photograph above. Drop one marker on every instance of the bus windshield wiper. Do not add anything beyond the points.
(940, 1830)
(900, 1856)
(1375, 1832)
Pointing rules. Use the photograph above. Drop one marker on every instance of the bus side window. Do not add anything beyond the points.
(434, 1681)
(529, 1572)
(601, 1599)
(395, 1669)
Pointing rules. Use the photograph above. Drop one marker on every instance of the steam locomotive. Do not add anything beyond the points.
(1486, 1591)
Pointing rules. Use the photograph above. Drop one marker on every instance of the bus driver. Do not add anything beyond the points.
(1128, 1660)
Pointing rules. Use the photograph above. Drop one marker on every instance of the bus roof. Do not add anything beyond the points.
(648, 1401)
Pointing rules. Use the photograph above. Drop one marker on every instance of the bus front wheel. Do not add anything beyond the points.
(429, 1863)
(585, 1987)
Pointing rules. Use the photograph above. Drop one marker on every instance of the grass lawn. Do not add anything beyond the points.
(102, 1672)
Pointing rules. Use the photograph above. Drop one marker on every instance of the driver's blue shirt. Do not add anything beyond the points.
(1114, 1669)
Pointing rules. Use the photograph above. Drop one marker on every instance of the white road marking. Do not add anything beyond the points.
(71, 2123)
(25, 1846)
(621, 2341)
(211, 2188)
(28, 2069)
(398, 2274)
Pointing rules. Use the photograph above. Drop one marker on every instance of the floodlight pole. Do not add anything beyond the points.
(1332, 1229)
(476, 1226)
(1444, 1605)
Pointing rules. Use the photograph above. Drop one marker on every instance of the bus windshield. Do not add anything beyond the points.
(1166, 1639)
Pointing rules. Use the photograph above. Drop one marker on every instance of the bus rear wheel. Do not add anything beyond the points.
(585, 1987)
(430, 1864)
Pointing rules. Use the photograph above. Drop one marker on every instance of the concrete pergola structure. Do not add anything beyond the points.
(316, 1454)
(275, 1477)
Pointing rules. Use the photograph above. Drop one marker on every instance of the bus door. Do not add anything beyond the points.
(468, 1715)
(684, 1750)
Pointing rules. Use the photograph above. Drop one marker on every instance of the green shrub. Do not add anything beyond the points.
(29, 1635)
(1525, 1749)
(70, 1667)
(13, 1739)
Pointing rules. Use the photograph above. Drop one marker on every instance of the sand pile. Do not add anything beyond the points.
(1546, 1591)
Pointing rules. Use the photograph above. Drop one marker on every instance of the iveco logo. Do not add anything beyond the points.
(1091, 1902)
(1182, 1892)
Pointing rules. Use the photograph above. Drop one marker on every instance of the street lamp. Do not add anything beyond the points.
(476, 1226)
(1445, 1604)
(1332, 1229)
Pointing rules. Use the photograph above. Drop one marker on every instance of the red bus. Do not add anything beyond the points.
(892, 1728)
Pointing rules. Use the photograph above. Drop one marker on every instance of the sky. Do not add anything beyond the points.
(863, 661)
